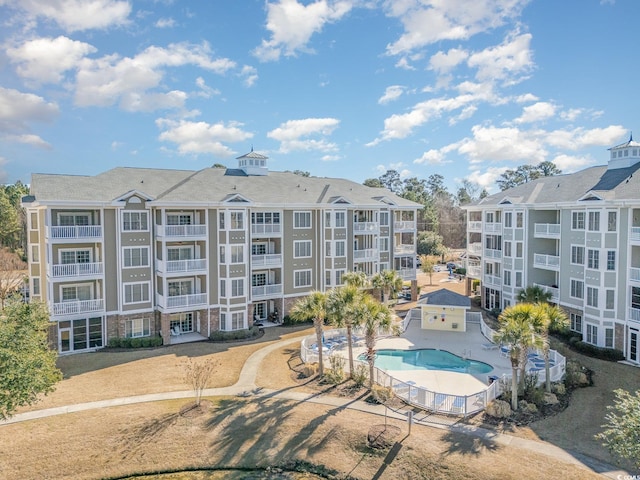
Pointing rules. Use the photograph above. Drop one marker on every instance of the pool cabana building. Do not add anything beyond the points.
(444, 310)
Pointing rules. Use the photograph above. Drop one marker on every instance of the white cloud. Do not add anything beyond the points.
(391, 93)
(165, 23)
(201, 137)
(292, 133)
(331, 158)
(486, 179)
(18, 110)
(428, 22)
(77, 15)
(45, 60)
(537, 112)
(292, 25)
(205, 90)
(28, 139)
(579, 138)
(570, 164)
(502, 144)
(443, 62)
(431, 157)
(509, 62)
(526, 98)
(250, 75)
(572, 114)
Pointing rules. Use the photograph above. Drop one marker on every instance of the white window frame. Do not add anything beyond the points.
(384, 218)
(179, 216)
(302, 249)
(237, 287)
(75, 251)
(592, 297)
(302, 275)
(609, 337)
(137, 327)
(573, 291)
(132, 286)
(76, 286)
(341, 219)
(236, 220)
(611, 260)
(591, 335)
(237, 253)
(75, 216)
(593, 223)
(130, 213)
(577, 220)
(577, 251)
(576, 322)
(593, 259)
(610, 299)
(126, 257)
(340, 249)
(302, 219)
(612, 221)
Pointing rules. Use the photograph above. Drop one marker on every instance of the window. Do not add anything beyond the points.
(384, 244)
(302, 249)
(384, 218)
(136, 292)
(221, 220)
(137, 327)
(577, 220)
(339, 274)
(635, 297)
(301, 219)
(577, 255)
(237, 320)
(179, 219)
(134, 221)
(576, 322)
(237, 253)
(594, 221)
(340, 248)
(237, 220)
(237, 287)
(341, 217)
(592, 297)
(73, 293)
(608, 337)
(488, 217)
(592, 334)
(223, 288)
(136, 256)
(73, 219)
(33, 221)
(610, 299)
(611, 260)
(302, 278)
(507, 249)
(519, 219)
(577, 289)
(327, 219)
(518, 279)
(180, 287)
(179, 253)
(69, 257)
(36, 286)
(507, 277)
(593, 259)
(508, 219)
(519, 249)
(35, 254)
(612, 221)
(327, 250)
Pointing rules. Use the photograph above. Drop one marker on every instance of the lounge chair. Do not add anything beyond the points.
(505, 351)
(438, 400)
(489, 346)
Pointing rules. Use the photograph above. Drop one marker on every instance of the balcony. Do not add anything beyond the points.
(404, 225)
(634, 314)
(181, 266)
(365, 227)
(555, 292)
(78, 306)
(634, 236)
(365, 255)
(268, 260)
(548, 262)
(474, 226)
(75, 232)
(266, 229)
(181, 231)
(407, 273)
(264, 291)
(491, 253)
(474, 271)
(404, 250)
(492, 280)
(493, 227)
(474, 248)
(180, 301)
(546, 230)
(634, 274)
(94, 269)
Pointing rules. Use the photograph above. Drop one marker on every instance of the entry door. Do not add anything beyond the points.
(634, 355)
(64, 340)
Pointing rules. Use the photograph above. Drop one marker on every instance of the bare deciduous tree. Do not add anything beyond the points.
(12, 274)
(198, 374)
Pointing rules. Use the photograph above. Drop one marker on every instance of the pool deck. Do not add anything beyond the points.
(464, 344)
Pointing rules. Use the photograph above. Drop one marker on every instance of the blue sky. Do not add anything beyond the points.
(339, 88)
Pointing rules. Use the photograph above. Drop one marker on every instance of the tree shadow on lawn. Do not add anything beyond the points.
(468, 443)
(81, 363)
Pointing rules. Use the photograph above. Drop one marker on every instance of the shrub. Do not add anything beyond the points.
(381, 394)
(610, 354)
(309, 370)
(115, 342)
(360, 374)
(135, 342)
(335, 374)
(222, 336)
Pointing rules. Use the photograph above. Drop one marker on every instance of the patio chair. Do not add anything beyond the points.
(438, 400)
(489, 346)
(505, 351)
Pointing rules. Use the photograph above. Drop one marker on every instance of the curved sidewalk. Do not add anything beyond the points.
(246, 387)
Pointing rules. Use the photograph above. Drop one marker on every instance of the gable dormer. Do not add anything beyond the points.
(253, 163)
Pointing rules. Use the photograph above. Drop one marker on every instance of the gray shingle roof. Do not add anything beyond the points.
(445, 297)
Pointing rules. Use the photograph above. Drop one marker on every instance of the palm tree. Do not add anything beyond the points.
(520, 325)
(389, 282)
(554, 318)
(342, 305)
(376, 318)
(314, 307)
(357, 279)
(534, 294)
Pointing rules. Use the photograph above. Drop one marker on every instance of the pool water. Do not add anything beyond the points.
(427, 359)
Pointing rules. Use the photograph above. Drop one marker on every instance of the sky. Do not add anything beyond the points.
(339, 88)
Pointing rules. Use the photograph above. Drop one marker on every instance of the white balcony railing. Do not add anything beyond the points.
(635, 234)
(407, 273)
(180, 266)
(550, 262)
(491, 253)
(270, 259)
(547, 230)
(474, 271)
(634, 314)
(493, 227)
(634, 274)
(266, 290)
(76, 232)
(475, 248)
(177, 301)
(78, 306)
(474, 226)
(367, 254)
(77, 269)
(492, 280)
(266, 229)
(404, 225)
(365, 227)
(404, 249)
(181, 231)
(554, 291)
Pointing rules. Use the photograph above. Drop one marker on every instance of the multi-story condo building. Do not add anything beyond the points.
(578, 237)
(137, 252)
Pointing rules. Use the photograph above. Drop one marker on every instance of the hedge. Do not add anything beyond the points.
(138, 342)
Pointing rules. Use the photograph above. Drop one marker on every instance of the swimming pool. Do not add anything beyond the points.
(427, 359)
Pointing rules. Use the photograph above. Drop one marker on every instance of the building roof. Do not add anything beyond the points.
(600, 182)
(445, 297)
(209, 186)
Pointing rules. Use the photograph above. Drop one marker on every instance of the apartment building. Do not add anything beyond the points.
(136, 252)
(578, 237)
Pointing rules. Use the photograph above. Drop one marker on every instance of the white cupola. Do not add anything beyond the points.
(253, 163)
(625, 154)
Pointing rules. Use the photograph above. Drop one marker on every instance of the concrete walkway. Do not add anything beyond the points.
(246, 387)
